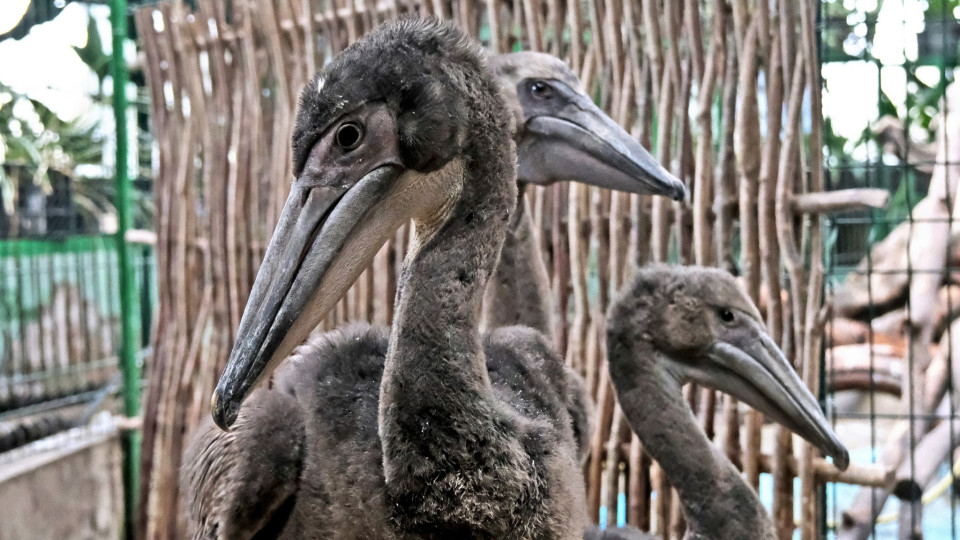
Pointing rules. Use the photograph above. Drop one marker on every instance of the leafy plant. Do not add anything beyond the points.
(41, 151)
(36, 145)
(93, 54)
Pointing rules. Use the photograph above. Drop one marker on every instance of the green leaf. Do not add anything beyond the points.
(886, 106)
(92, 53)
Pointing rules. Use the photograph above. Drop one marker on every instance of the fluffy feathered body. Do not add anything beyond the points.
(306, 452)
(429, 430)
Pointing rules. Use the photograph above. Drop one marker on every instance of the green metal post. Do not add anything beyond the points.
(128, 313)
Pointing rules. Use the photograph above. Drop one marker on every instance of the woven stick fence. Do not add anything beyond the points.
(682, 75)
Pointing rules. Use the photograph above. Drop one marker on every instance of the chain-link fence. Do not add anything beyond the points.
(890, 116)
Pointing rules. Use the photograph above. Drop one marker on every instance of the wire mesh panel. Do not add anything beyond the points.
(892, 119)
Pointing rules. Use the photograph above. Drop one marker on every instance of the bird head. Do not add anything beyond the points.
(384, 134)
(701, 326)
(562, 135)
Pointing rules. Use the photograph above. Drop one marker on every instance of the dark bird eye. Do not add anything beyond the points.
(541, 90)
(725, 315)
(349, 135)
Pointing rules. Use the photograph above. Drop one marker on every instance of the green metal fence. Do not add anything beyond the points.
(60, 319)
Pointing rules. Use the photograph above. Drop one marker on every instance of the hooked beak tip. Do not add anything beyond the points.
(679, 193)
(223, 416)
(841, 458)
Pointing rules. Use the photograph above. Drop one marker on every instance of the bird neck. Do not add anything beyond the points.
(435, 333)
(435, 395)
(716, 500)
(519, 290)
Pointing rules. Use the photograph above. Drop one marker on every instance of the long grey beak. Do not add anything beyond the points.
(755, 371)
(580, 142)
(303, 257)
